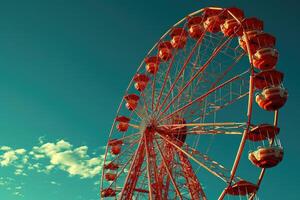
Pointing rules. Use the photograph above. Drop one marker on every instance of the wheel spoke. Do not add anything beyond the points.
(166, 76)
(128, 138)
(217, 50)
(153, 91)
(202, 97)
(176, 126)
(124, 152)
(203, 160)
(230, 128)
(182, 70)
(121, 171)
(134, 126)
(220, 107)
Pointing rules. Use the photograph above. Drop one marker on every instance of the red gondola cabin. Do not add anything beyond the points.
(179, 37)
(257, 40)
(141, 81)
(241, 188)
(110, 176)
(268, 78)
(250, 24)
(111, 166)
(262, 132)
(265, 58)
(116, 149)
(108, 192)
(230, 27)
(131, 101)
(272, 98)
(195, 26)
(165, 51)
(236, 12)
(115, 146)
(152, 64)
(122, 123)
(266, 157)
(214, 18)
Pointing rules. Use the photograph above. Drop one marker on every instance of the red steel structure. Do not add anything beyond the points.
(190, 90)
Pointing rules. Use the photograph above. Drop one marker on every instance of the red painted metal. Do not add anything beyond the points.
(256, 40)
(110, 176)
(201, 97)
(266, 157)
(215, 18)
(166, 169)
(217, 50)
(131, 101)
(153, 92)
(152, 64)
(265, 58)
(133, 173)
(166, 77)
(179, 37)
(231, 27)
(192, 182)
(165, 50)
(141, 81)
(268, 78)
(153, 179)
(196, 29)
(249, 115)
(241, 188)
(122, 124)
(109, 192)
(236, 12)
(111, 166)
(252, 24)
(262, 132)
(272, 98)
(262, 172)
(181, 71)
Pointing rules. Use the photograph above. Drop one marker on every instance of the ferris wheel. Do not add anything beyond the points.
(203, 101)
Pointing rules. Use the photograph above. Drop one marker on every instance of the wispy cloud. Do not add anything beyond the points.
(54, 183)
(46, 157)
(11, 184)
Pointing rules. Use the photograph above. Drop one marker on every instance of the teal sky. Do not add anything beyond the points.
(64, 66)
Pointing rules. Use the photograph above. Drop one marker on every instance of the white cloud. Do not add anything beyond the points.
(20, 172)
(18, 187)
(7, 158)
(20, 151)
(10, 156)
(47, 157)
(5, 148)
(17, 193)
(49, 167)
(11, 184)
(41, 139)
(54, 183)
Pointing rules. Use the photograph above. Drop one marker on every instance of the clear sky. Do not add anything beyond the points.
(64, 66)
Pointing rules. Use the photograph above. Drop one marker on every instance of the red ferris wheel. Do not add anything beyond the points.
(194, 108)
